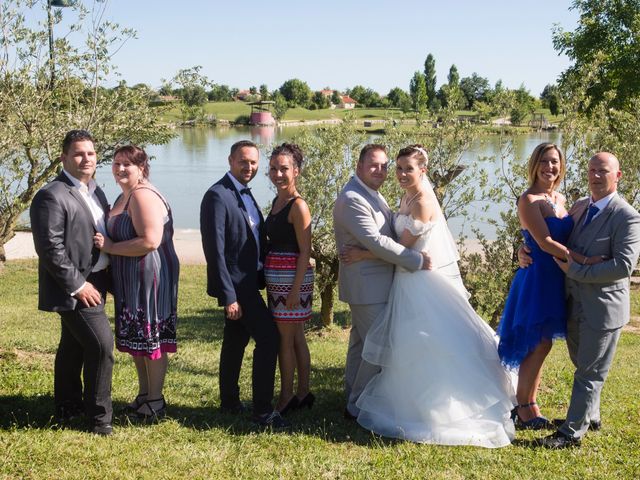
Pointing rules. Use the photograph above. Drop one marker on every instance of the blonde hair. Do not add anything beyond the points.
(534, 163)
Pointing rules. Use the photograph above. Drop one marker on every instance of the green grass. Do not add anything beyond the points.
(199, 442)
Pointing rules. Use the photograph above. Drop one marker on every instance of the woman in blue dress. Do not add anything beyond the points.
(535, 311)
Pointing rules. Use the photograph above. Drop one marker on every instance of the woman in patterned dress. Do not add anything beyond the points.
(289, 275)
(145, 272)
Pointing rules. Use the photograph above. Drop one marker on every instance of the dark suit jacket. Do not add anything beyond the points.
(229, 245)
(63, 229)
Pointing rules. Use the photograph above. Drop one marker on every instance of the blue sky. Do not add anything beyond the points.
(376, 43)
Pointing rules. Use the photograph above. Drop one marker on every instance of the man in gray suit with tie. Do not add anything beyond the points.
(598, 294)
(362, 218)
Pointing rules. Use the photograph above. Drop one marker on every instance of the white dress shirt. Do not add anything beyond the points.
(601, 204)
(88, 194)
(252, 212)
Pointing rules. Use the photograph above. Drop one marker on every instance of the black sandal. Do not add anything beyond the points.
(536, 423)
(135, 405)
(156, 414)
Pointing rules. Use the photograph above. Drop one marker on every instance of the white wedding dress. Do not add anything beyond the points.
(441, 380)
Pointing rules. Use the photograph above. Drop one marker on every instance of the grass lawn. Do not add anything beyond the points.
(196, 441)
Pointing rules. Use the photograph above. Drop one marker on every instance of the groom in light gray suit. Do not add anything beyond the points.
(597, 295)
(362, 218)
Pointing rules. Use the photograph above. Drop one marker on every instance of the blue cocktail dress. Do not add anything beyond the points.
(536, 307)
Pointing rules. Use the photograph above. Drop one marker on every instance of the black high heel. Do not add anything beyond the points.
(291, 405)
(536, 423)
(307, 401)
(135, 405)
(156, 414)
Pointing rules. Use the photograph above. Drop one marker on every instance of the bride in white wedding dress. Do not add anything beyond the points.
(441, 380)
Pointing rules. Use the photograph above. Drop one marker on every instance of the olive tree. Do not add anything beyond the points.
(331, 155)
(41, 100)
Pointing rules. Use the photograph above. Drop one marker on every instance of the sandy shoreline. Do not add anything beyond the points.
(187, 242)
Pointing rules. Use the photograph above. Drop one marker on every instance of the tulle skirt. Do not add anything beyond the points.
(441, 381)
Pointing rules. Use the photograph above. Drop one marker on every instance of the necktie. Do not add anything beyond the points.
(590, 214)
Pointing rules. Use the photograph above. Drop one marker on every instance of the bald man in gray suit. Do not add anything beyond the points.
(362, 218)
(597, 295)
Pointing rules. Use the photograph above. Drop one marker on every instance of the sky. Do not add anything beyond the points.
(339, 44)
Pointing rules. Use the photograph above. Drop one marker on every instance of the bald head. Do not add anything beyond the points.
(604, 173)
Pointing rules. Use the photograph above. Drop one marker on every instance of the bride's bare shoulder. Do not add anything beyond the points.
(425, 209)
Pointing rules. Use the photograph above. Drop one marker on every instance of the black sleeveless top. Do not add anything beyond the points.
(281, 236)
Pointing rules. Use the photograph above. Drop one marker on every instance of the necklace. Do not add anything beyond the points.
(408, 202)
(551, 203)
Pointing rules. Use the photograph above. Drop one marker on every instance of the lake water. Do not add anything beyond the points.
(196, 158)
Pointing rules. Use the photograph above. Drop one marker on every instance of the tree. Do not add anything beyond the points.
(430, 81)
(550, 98)
(524, 105)
(330, 157)
(36, 112)
(608, 32)
(453, 78)
(398, 98)
(192, 92)
(320, 101)
(418, 91)
(220, 93)
(253, 90)
(296, 92)
(474, 88)
(335, 98)
(264, 92)
(280, 106)
(365, 97)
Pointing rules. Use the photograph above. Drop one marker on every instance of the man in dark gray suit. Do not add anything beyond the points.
(362, 218)
(597, 295)
(65, 215)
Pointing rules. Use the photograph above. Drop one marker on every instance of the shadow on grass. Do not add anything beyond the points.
(325, 420)
(204, 325)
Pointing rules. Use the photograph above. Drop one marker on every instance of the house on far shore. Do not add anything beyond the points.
(347, 102)
(326, 92)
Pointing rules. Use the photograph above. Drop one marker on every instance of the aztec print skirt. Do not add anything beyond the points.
(279, 272)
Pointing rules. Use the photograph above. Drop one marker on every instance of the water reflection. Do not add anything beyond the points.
(188, 165)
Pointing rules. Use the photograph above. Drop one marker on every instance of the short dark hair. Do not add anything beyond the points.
(135, 155)
(291, 150)
(371, 147)
(241, 144)
(75, 136)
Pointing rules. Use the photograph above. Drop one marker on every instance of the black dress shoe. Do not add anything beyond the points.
(348, 415)
(68, 412)
(559, 440)
(102, 429)
(594, 425)
(272, 420)
(234, 409)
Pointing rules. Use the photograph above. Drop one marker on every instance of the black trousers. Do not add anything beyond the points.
(257, 323)
(85, 349)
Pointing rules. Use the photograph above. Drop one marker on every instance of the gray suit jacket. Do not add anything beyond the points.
(603, 289)
(360, 220)
(63, 230)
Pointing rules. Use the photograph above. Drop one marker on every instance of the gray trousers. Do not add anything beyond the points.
(358, 372)
(592, 353)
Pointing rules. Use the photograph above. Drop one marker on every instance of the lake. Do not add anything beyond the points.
(196, 158)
